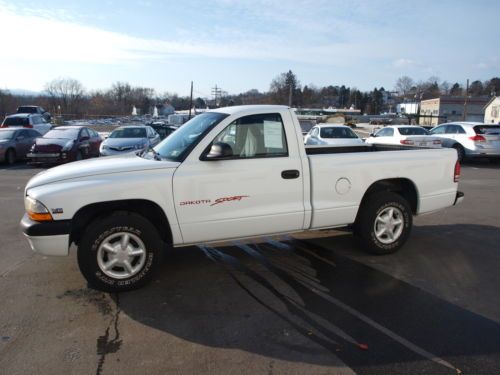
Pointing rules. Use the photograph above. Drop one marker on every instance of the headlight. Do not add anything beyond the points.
(104, 147)
(35, 210)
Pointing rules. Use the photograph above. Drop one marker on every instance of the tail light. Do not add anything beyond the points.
(478, 138)
(28, 126)
(436, 142)
(456, 173)
(406, 142)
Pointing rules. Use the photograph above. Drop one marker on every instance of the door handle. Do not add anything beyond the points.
(289, 174)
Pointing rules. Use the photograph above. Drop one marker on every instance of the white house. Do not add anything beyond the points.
(492, 111)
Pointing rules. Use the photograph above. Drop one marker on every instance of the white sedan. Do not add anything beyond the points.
(406, 135)
(333, 135)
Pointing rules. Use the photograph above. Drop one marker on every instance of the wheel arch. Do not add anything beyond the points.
(402, 186)
(146, 208)
(11, 149)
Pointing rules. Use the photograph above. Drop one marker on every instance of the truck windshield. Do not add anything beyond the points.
(181, 142)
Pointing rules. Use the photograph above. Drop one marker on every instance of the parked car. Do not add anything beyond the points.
(334, 135)
(129, 139)
(124, 212)
(470, 139)
(34, 109)
(27, 120)
(15, 143)
(163, 129)
(64, 144)
(406, 135)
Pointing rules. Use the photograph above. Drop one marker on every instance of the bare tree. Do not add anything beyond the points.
(445, 87)
(403, 85)
(66, 92)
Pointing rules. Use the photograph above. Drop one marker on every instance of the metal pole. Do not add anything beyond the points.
(465, 101)
(191, 101)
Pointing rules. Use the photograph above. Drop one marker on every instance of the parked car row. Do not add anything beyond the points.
(469, 139)
(70, 143)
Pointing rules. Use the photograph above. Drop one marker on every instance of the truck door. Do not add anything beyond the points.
(259, 190)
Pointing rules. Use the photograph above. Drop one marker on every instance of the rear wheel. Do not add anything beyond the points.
(460, 152)
(10, 156)
(119, 252)
(384, 223)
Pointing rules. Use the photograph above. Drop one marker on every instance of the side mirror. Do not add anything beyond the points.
(219, 150)
(372, 134)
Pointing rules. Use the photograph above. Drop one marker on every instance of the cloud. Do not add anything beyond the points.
(65, 39)
(405, 63)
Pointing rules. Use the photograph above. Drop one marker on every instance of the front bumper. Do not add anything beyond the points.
(111, 152)
(48, 158)
(47, 238)
(459, 198)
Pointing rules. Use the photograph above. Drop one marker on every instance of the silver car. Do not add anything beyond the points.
(470, 139)
(129, 139)
(333, 135)
(27, 120)
(15, 143)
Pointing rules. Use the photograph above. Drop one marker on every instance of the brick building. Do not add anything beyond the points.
(452, 108)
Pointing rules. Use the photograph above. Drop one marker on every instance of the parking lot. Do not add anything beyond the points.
(312, 303)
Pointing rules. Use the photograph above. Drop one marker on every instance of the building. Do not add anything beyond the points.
(407, 108)
(492, 111)
(452, 108)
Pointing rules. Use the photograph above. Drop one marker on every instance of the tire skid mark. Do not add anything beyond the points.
(326, 337)
(394, 336)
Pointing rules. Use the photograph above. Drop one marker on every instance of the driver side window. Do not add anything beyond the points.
(256, 136)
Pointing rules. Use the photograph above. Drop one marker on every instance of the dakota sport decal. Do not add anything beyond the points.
(215, 202)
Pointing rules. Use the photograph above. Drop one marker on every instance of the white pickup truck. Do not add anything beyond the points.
(230, 173)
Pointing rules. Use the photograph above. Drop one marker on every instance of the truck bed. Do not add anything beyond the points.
(318, 150)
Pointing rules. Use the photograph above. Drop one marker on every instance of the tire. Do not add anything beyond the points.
(460, 152)
(101, 244)
(371, 216)
(10, 156)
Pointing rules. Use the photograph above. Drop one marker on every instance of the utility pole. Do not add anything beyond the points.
(465, 101)
(217, 94)
(191, 101)
(290, 97)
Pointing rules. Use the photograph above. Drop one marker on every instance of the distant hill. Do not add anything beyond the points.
(23, 92)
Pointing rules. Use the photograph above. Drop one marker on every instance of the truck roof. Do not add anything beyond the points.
(249, 109)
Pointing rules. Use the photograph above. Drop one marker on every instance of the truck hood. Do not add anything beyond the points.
(99, 166)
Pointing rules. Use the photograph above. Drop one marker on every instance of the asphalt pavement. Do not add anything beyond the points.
(311, 303)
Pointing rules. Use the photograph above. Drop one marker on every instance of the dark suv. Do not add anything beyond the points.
(33, 109)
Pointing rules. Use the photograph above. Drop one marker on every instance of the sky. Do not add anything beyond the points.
(243, 45)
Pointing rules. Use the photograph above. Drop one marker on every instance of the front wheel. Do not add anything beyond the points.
(384, 223)
(10, 156)
(119, 252)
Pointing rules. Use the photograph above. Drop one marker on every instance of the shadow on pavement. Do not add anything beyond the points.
(297, 301)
